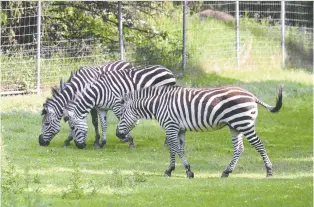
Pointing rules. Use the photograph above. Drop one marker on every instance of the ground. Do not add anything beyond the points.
(118, 176)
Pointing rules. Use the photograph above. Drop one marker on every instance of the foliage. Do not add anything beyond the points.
(166, 48)
(75, 189)
(78, 33)
(15, 187)
(12, 17)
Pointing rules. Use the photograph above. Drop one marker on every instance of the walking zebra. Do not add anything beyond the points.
(106, 93)
(53, 107)
(178, 109)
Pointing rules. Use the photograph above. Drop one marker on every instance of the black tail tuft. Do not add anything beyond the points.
(279, 100)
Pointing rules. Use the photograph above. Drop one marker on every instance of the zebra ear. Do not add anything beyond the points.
(65, 116)
(43, 112)
(62, 84)
(66, 119)
(124, 99)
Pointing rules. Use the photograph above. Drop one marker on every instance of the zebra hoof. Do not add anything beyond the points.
(269, 175)
(131, 146)
(96, 146)
(102, 144)
(66, 143)
(224, 175)
(167, 173)
(190, 174)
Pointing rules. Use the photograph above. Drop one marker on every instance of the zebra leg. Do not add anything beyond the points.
(68, 140)
(173, 137)
(93, 113)
(181, 139)
(131, 143)
(238, 147)
(181, 136)
(128, 137)
(104, 124)
(166, 142)
(172, 140)
(259, 146)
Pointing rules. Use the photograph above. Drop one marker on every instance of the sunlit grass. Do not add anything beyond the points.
(118, 176)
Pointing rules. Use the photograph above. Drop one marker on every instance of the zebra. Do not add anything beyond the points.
(106, 93)
(178, 109)
(53, 107)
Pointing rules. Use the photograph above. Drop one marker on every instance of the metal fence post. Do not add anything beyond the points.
(120, 30)
(184, 37)
(0, 35)
(238, 34)
(283, 34)
(38, 45)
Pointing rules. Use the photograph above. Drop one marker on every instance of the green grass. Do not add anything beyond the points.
(117, 176)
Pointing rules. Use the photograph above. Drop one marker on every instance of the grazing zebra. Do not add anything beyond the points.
(178, 109)
(106, 93)
(53, 107)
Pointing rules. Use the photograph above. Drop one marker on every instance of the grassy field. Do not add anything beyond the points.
(117, 176)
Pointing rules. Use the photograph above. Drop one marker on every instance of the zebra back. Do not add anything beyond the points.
(108, 89)
(197, 109)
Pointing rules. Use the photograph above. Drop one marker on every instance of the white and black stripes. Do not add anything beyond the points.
(106, 93)
(53, 107)
(179, 109)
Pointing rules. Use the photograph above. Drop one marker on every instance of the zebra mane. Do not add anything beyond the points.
(71, 76)
(80, 94)
(55, 91)
(73, 73)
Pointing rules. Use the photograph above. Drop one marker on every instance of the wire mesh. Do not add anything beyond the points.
(65, 48)
(299, 34)
(161, 39)
(152, 34)
(211, 36)
(260, 34)
(18, 46)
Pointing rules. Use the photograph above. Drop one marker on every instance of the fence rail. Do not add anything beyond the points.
(37, 45)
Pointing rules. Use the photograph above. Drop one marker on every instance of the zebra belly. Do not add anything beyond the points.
(200, 127)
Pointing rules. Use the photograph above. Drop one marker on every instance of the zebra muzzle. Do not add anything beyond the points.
(119, 134)
(43, 142)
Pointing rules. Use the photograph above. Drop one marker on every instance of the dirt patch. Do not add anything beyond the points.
(219, 15)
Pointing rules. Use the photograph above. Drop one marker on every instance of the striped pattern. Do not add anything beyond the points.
(53, 107)
(106, 93)
(179, 109)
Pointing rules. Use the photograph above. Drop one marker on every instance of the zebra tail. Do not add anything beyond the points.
(276, 108)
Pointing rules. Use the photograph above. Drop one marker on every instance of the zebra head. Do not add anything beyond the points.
(128, 119)
(50, 125)
(51, 121)
(78, 125)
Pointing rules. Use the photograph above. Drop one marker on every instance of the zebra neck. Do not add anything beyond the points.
(148, 108)
(60, 100)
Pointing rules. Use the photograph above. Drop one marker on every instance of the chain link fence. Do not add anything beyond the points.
(43, 41)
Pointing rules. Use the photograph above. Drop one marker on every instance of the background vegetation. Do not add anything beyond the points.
(83, 33)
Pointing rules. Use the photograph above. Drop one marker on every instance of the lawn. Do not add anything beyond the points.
(118, 176)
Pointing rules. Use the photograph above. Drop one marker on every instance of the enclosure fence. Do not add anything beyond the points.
(42, 41)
